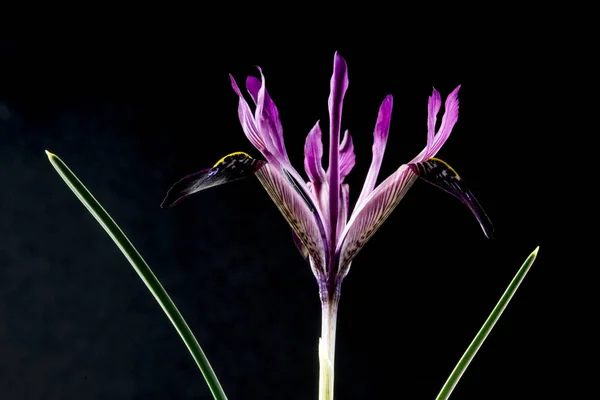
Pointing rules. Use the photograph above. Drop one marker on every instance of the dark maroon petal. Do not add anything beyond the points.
(230, 168)
(441, 175)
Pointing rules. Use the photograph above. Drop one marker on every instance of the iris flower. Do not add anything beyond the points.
(327, 234)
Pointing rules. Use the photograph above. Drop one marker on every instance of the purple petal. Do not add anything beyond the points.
(347, 157)
(304, 223)
(435, 102)
(267, 117)
(375, 210)
(338, 85)
(247, 121)
(448, 120)
(253, 86)
(380, 136)
(313, 153)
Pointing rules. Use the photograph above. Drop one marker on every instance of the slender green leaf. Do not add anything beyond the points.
(465, 360)
(143, 271)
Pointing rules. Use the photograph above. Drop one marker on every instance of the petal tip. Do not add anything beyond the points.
(339, 62)
(234, 85)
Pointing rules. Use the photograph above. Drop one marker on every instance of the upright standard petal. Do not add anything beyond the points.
(448, 120)
(267, 117)
(380, 136)
(338, 86)
(313, 154)
(247, 120)
(375, 210)
(297, 212)
(253, 85)
(347, 156)
(434, 104)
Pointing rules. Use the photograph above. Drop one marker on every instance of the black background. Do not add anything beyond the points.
(133, 106)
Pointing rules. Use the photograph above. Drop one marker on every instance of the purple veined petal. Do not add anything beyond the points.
(301, 248)
(247, 121)
(313, 153)
(380, 136)
(347, 156)
(316, 195)
(294, 209)
(338, 87)
(374, 211)
(304, 253)
(253, 86)
(448, 120)
(434, 104)
(232, 167)
(267, 117)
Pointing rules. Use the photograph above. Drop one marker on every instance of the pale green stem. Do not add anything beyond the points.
(327, 347)
(143, 270)
(465, 360)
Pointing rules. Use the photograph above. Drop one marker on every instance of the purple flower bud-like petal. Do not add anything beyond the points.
(347, 157)
(247, 121)
(313, 153)
(267, 117)
(380, 136)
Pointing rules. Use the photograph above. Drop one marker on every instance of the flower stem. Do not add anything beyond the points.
(329, 306)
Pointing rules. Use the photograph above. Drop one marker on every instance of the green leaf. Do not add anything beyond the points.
(143, 270)
(465, 360)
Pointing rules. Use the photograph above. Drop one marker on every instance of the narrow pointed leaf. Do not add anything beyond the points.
(143, 270)
(487, 327)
